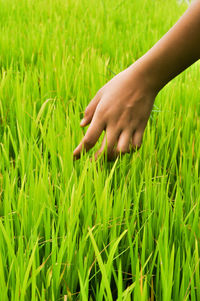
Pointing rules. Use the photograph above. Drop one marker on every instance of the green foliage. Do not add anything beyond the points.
(90, 230)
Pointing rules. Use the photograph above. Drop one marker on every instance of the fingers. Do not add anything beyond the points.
(102, 148)
(92, 135)
(124, 143)
(108, 144)
(122, 140)
(89, 111)
(137, 139)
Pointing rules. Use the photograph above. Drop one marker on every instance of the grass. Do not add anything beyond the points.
(82, 230)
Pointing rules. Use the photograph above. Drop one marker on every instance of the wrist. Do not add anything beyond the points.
(149, 76)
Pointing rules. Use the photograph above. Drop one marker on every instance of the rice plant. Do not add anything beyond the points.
(86, 229)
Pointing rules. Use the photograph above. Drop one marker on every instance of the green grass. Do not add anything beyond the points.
(85, 230)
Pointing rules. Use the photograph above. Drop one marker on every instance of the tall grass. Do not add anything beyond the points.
(86, 230)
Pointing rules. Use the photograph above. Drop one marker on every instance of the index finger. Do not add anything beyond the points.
(92, 135)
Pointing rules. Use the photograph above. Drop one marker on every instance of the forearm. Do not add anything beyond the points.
(178, 49)
(122, 107)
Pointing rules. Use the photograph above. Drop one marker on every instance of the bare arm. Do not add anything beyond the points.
(122, 107)
(178, 49)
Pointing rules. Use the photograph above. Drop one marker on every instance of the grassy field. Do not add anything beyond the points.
(81, 230)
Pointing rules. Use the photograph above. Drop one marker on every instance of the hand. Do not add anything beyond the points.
(122, 108)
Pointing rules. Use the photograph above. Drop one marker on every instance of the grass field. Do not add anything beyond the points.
(81, 230)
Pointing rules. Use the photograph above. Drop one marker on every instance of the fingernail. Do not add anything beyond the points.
(82, 121)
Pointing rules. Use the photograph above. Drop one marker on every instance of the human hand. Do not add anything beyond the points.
(122, 108)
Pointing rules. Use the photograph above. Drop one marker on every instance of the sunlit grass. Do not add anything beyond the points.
(83, 230)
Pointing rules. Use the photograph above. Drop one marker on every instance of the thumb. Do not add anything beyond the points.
(89, 111)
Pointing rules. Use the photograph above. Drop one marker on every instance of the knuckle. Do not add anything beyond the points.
(102, 112)
(99, 93)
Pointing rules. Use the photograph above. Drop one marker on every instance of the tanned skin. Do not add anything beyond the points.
(122, 107)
